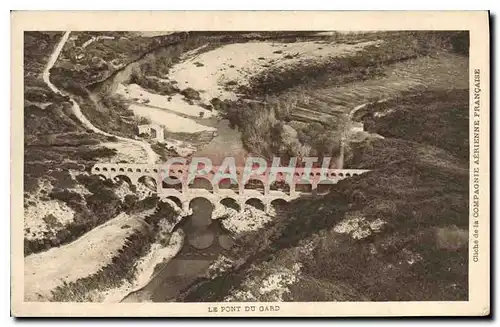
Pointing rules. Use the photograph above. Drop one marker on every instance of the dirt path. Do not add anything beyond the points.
(152, 156)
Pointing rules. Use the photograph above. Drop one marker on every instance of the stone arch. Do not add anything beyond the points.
(341, 175)
(255, 184)
(174, 183)
(324, 186)
(348, 174)
(303, 186)
(202, 201)
(202, 209)
(121, 170)
(230, 203)
(122, 178)
(104, 169)
(256, 203)
(102, 177)
(229, 184)
(130, 170)
(97, 169)
(149, 181)
(281, 186)
(279, 203)
(176, 200)
(138, 170)
(201, 183)
(113, 169)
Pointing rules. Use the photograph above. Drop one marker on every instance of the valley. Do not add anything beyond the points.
(392, 102)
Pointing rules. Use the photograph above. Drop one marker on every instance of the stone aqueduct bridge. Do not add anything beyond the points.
(259, 190)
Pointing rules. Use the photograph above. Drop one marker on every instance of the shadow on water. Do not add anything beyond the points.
(205, 239)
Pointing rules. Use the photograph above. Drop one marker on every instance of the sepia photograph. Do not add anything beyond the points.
(246, 169)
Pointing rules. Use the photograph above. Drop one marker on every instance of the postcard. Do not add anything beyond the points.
(250, 164)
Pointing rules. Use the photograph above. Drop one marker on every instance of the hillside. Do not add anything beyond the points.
(398, 233)
(68, 213)
(311, 96)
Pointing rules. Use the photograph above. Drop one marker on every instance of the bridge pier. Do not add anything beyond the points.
(267, 206)
(185, 206)
(159, 184)
(241, 202)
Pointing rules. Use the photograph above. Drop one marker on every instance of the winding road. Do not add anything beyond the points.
(152, 156)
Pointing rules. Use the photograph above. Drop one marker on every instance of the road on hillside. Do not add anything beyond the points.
(152, 156)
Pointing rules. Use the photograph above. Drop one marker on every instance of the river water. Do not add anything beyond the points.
(205, 240)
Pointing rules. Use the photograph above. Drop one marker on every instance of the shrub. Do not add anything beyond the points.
(51, 221)
(231, 83)
(65, 195)
(94, 154)
(144, 120)
(129, 202)
(191, 94)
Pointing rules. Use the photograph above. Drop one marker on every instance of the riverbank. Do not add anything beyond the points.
(46, 271)
(145, 267)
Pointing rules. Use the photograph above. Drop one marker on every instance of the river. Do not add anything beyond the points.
(205, 238)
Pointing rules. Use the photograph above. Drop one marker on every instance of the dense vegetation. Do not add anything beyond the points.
(52, 135)
(436, 118)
